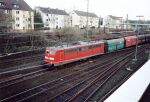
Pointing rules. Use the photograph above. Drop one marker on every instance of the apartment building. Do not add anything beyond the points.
(79, 19)
(113, 22)
(21, 12)
(53, 18)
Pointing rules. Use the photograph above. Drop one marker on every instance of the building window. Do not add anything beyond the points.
(2, 4)
(29, 25)
(29, 19)
(17, 25)
(17, 18)
(57, 27)
(17, 12)
(30, 13)
(15, 6)
(7, 11)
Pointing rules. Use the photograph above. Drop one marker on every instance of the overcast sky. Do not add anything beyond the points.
(101, 7)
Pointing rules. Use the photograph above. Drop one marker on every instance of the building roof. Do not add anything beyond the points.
(15, 5)
(74, 44)
(82, 13)
(115, 17)
(53, 11)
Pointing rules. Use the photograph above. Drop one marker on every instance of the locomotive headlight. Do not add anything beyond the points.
(46, 57)
(51, 58)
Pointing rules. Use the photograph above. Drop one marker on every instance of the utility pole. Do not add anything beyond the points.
(136, 48)
(127, 18)
(87, 18)
(99, 24)
(108, 28)
(32, 38)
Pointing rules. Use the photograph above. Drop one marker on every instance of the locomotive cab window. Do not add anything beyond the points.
(52, 52)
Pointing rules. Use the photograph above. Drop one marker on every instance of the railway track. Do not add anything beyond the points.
(19, 71)
(64, 87)
(84, 92)
(63, 79)
(75, 69)
(20, 78)
(89, 93)
(123, 79)
(14, 72)
(13, 63)
(36, 89)
(22, 54)
(18, 66)
(20, 58)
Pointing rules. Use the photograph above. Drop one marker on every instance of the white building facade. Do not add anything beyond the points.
(113, 22)
(21, 12)
(79, 19)
(23, 20)
(53, 18)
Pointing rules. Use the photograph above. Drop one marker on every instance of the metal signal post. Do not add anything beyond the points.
(137, 33)
(87, 18)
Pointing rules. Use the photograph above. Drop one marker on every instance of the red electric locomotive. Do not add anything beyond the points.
(67, 53)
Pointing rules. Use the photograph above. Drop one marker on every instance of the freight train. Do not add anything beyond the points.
(70, 52)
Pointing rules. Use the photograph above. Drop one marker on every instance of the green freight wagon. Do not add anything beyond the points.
(114, 44)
